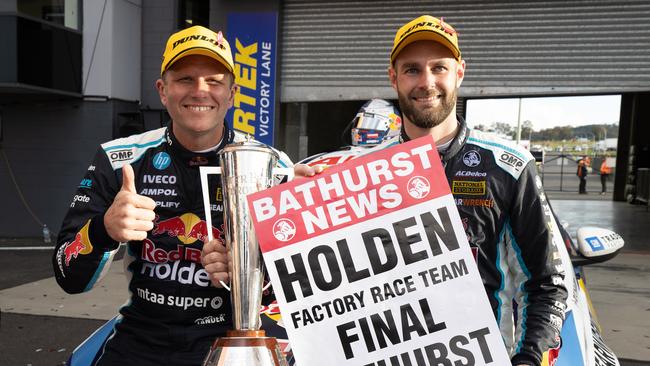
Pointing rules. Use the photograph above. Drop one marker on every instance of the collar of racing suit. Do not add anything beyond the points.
(456, 144)
(197, 158)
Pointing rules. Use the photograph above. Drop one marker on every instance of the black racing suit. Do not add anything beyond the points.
(512, 232)
(173, 313)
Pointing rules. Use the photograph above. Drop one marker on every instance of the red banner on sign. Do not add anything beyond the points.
(350, 193)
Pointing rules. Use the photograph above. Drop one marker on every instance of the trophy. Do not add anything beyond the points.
(246, 167)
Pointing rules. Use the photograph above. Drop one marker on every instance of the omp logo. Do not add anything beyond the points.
(120, 155)
(511, 160)
(468, 187)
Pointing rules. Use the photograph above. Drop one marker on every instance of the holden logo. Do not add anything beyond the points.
(418, 187)
(284, 230)
(472, 158)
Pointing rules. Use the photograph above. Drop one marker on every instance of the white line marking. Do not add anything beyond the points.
(26, 248)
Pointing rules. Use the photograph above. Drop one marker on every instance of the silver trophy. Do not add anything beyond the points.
(246, 167)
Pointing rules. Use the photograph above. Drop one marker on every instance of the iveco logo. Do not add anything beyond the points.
(120, 155)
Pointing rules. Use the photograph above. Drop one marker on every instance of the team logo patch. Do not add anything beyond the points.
(511, 160)
(418, 187)
(284, 230)
(161, 160)
(472, 158)
(120, 155)
(468, 187)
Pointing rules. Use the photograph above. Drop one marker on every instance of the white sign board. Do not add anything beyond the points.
(371, 266)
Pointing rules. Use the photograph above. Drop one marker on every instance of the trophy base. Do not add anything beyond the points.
(245, 347)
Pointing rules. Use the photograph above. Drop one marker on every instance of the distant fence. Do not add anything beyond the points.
(558, 173)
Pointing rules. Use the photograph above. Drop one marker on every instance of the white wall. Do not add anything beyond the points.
(112, 49)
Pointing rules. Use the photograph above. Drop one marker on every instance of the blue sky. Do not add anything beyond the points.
(546, 112)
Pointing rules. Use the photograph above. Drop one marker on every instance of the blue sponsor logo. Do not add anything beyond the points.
(595, 243)
(161, 160)
(86, 183)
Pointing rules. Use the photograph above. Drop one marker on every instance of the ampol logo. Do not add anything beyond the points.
(284, 229)
(418, 187)
(187, 227)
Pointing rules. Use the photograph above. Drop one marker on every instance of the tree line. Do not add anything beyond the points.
(591, 132)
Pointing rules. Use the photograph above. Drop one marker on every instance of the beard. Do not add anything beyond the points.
(429, 117)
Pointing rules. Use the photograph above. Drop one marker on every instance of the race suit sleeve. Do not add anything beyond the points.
(84, 250)
(536, 268)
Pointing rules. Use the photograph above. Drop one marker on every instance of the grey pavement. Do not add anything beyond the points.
(41, 325)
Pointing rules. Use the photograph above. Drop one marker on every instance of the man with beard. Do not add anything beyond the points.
(510, 226)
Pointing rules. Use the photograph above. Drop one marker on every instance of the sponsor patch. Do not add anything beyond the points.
(511, 160)
(469, 173)
(79, 246)
(120, 155)
(161, 160)
(475, 202)
(472, 158)
(469, 187)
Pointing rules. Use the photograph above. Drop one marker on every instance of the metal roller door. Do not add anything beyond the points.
(338, 50)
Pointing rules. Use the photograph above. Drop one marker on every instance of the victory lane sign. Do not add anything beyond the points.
(371, 265)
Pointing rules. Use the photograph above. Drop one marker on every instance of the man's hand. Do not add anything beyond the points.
(130, 215)
(306, 171)
(214, 258)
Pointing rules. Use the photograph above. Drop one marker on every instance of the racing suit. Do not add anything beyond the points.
(174, 313)
(511, 231)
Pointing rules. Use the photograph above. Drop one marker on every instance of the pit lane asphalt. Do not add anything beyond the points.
(40, 325)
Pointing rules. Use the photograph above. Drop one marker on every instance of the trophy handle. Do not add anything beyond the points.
(204, 171)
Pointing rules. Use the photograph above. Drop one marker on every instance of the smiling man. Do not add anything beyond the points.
(144, 190)
(499, 196)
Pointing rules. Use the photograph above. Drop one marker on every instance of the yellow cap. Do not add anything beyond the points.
(425, 28)
(197, 40)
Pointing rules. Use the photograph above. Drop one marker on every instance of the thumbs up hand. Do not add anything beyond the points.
(130, 215)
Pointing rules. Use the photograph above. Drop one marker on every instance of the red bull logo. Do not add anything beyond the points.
(187, 227)
(80, 245)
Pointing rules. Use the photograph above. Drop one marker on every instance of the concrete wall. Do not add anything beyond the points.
(112, 49)
(158, 22)
(48, 146)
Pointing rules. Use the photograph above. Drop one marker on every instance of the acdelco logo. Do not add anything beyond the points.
(120, 155)
(511, 160)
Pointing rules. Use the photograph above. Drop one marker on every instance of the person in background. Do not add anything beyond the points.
(376, 121)
(605, 171)
(584, 165)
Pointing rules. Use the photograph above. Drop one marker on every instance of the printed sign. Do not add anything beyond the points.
(371, 256)
(253, 40)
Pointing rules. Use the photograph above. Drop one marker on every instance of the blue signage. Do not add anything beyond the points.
(595, 243)
(253, 40)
